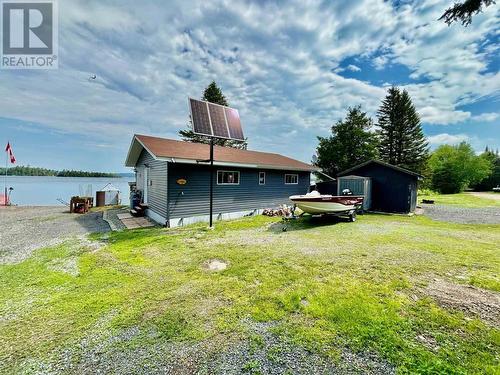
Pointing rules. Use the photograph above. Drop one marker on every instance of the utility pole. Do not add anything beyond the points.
(211, 180)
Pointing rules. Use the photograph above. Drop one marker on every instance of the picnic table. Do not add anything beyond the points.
(81, 204)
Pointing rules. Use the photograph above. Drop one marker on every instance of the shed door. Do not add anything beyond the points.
(412, 196)
(146, 186)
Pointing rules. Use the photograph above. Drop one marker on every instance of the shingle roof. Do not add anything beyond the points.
(181, 150)
(403, 170)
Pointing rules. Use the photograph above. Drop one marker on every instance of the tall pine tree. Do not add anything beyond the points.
(212, 94)
(351, 143)
(401, 139)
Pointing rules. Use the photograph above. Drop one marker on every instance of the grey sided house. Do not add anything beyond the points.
(393, 189)
(174, 179)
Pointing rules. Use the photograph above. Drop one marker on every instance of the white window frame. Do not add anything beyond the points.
(228, 183)
(262, 173)
(292, 174)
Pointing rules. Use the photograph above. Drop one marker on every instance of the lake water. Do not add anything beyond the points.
(45, 191)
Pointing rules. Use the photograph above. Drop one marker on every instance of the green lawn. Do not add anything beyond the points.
(325, 286)
(461, 199)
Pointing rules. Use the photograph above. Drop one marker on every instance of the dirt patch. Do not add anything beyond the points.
(250, 237)
(486, 195)
(215, 265)
(77, 245)
(468, 299)
(69, 266)
(428, 341)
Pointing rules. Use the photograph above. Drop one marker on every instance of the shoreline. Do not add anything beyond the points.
(48, 191)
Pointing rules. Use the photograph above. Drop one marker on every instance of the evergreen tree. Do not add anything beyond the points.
(401, 139)
(212, 94)
(351, 143)
(21, 170)
(463, 12)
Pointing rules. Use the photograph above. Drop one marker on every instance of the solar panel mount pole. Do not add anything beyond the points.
(211, 179)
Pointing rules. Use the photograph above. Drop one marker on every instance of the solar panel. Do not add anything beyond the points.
(215, 120)
(200, 117)
(234, 124)
(218, 119)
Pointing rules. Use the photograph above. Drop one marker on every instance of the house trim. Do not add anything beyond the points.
(188, 220)
(156, 217)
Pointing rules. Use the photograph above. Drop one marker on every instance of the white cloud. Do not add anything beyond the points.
(449, 139)
(442, 116)
(486, 117)
(380, 62)
(353, 68)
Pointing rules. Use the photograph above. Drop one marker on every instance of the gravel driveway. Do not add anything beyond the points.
(462, 215)
(25, 229)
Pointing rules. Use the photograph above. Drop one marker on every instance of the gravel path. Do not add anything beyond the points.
(265, 353)
(462, 215)
(25, 229)
(111, 217)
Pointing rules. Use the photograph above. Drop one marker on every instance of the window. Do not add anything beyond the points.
(291, 179)
(262, 178)
(228, 178)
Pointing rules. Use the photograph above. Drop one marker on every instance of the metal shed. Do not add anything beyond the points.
(111, 195)
(393, 189)
(358, 185)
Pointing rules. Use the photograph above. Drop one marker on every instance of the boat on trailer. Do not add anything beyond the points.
(315, 203)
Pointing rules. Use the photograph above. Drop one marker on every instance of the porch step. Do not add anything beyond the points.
(137, 211)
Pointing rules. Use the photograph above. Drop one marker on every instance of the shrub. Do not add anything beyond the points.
(453, 168)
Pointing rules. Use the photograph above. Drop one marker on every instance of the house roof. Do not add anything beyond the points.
(403, 170)
(188, 152)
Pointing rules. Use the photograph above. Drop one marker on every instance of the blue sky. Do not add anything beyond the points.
(291, 69)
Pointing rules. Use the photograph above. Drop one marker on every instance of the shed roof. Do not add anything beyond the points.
(186, 152)
(109, 187)
(353, 176)
(374, 161)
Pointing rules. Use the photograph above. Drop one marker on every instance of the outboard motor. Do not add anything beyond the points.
(135, 198)
(346, 192)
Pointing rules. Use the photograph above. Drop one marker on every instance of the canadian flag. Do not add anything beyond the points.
(11, 156)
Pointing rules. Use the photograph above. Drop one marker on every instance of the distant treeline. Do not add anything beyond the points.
(22, 170)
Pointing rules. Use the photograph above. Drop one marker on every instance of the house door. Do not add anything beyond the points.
(146, 186)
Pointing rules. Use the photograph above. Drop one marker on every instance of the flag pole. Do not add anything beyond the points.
(5, 180)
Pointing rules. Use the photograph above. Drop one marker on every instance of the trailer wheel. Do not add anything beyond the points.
(352, 217)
